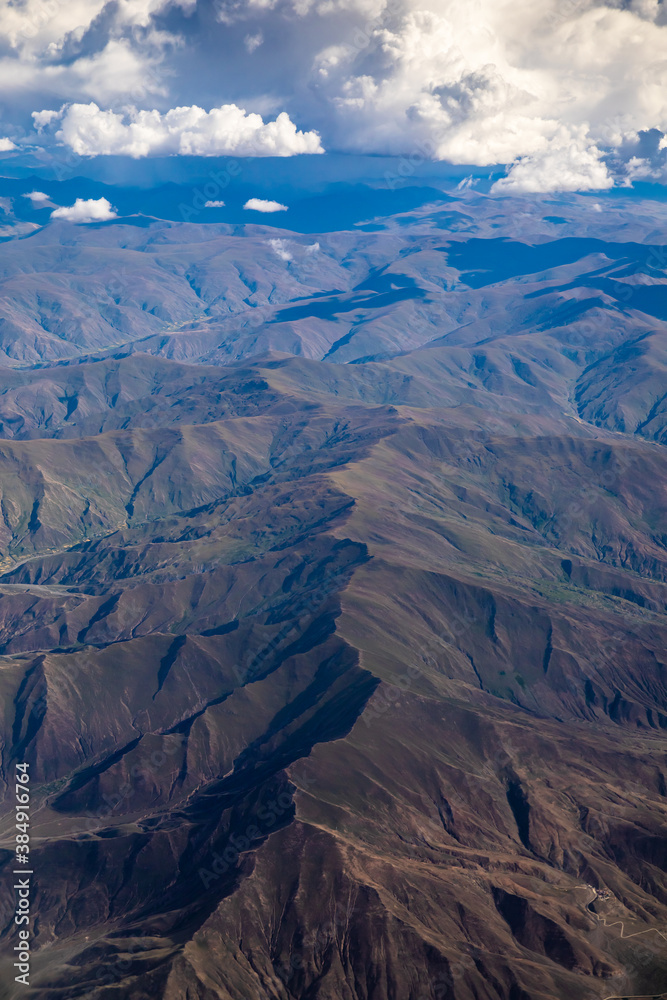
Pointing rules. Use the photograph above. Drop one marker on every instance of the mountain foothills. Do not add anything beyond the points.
(334, 593)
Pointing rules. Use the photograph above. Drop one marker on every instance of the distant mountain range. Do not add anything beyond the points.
(334, 592)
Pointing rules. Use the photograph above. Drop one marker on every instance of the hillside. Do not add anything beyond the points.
(334, 604)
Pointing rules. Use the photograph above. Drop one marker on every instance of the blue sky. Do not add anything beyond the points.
(564, 95)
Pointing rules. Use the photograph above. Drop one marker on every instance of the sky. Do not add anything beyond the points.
(564, 95)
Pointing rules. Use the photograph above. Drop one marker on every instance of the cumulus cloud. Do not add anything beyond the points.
(85, 48)
(551, 86)
(37, 23)
(42, 119)
(214, 204)
(570, 163)
(289, 250)
(641, 157)
(231, 11)
(556, 89)
(37, 196)
(86, 210)
(261, 205)
(253, 41)
(281, 249)
(6, 145)
(191, 131)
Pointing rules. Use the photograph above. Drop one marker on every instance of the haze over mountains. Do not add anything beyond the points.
(334, 583)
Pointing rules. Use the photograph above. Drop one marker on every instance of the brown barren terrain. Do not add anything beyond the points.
(340, 681)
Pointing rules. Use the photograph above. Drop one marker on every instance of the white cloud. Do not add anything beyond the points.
(261, 205)
(570, 163)
(191, 131)
(37, 196)
(504, 83)
(287, 249)
(479, 82)
(231, 11)
(280, 248)
(17, 229)
(39, 24)
(253, 42)
(42, 119)
(90, 210)
(6, 145)
(214, 204)
(84, 48)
